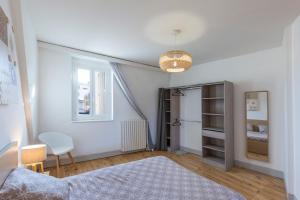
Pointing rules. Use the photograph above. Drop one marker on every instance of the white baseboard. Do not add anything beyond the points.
(263, 170)
(50, 162)
(65, 160)
(194, 151)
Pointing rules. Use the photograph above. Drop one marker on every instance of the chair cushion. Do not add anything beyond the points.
(25, 184)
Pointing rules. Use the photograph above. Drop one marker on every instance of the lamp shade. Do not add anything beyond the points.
(34, 153)
(175, 61)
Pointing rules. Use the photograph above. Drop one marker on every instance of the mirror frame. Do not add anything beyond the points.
(252, 156)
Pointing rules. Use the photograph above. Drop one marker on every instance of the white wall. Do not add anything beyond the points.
(296, 109)
(93, 137)
(28, 56)
(190, 113)
(258, 71)
(12, 117)
(31, 50)
(288, 140)
(292, 164)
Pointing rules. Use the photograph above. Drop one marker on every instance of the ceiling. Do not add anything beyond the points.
(140, 30)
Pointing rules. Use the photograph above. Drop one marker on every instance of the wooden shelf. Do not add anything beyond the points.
(215, 161)
(213, 114)
(213, 98)
(217, 129)
(172, 112)
(215, 148)
(213, 134)
(213, 129)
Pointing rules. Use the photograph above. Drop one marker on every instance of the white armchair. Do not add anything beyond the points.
(58, 144)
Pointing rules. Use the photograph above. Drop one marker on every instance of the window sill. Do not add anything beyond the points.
(91, 121)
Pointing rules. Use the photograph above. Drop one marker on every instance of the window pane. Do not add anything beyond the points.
(84, 95)
(100, 88)
(92, 91)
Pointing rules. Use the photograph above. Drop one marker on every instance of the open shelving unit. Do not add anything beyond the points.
(217, 121)
(167, 102)
(172, 103)
(217, 124)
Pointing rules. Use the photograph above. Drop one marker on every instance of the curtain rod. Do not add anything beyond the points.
(195, 86)
(95, 55)
(189, 87)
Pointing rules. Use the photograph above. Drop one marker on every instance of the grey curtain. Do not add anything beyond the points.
(119, 76)
(161, 142)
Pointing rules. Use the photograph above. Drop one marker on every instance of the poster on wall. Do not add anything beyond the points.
(8, 64)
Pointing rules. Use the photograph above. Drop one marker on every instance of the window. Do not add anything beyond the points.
(92, 91)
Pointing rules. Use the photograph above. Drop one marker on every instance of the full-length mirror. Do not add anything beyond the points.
(257, 125)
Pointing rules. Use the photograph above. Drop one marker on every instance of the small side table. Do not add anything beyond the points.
(34, 166)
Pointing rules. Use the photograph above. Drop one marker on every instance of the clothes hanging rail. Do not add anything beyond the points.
(177, 93)
(192, 121)
(195, 86)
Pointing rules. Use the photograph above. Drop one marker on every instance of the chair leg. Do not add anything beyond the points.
(57, 166)
(72, 160)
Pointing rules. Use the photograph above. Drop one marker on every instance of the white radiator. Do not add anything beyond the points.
(133, 135)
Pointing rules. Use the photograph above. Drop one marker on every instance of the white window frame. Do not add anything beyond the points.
(93, 66)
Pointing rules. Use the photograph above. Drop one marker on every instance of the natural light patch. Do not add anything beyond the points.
(32, 93)
(160, 28)
(92, 90)
(84, 76)
(84, 91)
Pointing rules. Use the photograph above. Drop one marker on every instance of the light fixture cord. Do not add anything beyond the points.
(176, 32)
(175, 39)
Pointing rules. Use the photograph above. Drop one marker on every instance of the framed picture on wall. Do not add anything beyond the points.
(8, 62)
(252, 104)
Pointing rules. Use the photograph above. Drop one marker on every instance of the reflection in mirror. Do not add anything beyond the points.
(257, 125)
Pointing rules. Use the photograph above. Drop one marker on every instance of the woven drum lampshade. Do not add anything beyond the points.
(175, 61)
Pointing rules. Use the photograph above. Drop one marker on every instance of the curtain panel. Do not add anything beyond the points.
(120, 78)
(161, 142)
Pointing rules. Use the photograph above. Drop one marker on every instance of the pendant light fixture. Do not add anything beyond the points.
(175, 60)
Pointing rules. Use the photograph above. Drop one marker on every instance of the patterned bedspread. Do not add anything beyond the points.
(156, 178)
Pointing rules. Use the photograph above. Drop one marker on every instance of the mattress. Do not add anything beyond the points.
(156, 178)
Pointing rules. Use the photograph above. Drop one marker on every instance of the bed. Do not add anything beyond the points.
(156, 178)
(261, 136)
(257, 142)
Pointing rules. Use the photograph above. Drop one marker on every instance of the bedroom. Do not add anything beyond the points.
(95, 77)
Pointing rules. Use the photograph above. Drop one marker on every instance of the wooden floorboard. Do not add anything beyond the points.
(252, 185)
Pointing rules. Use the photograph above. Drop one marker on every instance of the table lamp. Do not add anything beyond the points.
(34, 155)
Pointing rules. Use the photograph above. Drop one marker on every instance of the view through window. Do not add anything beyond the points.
(92, 90)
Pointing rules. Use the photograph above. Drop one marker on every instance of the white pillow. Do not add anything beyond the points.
(262, 128)
(25, 184)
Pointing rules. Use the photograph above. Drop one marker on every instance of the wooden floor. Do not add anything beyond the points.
(253, 185)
